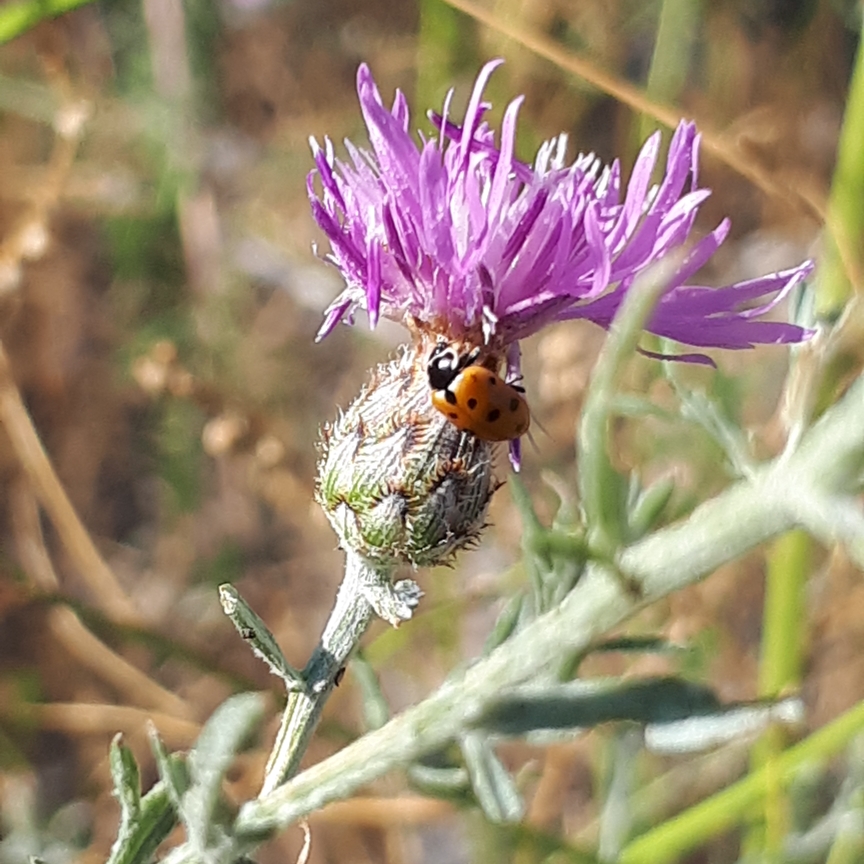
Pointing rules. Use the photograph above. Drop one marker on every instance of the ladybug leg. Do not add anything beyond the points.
(515, 383)
(469, 359)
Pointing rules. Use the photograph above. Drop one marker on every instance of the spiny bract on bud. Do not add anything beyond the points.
(399, 484)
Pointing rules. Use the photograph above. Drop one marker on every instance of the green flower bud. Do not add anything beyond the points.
(398, 482)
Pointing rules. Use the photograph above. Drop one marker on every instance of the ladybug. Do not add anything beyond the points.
(473, 398)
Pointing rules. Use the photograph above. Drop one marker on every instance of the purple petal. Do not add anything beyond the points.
(515, 453)
(332, 316)
(373, 283)
(473, 113)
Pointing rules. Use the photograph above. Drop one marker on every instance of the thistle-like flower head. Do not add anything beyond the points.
(453, 236)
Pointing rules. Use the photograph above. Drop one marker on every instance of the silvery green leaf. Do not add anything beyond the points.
(616, 815)
(144, 822)
(256, 633)
(376, 712)
(698, 408)
(554, 559)
(730, 722)
(127, 779)
(217, 745)
(440, 782)
(172, 768)
(506, 623)
(577, 704)
(494, 787)
(639, 645)
(645, 513)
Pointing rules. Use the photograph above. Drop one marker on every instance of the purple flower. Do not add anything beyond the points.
(456, 234)
(453, 235)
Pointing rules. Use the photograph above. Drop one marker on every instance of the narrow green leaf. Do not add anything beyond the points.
(601, 487)
(649, 507)
(702, 732)
(577, 704)
(127, 780)
(671, 840)
(554, 558)
(639, 644)
(785, 636)
(494, 787)
(841, 258)
(506, 623)
(172, 768)
(137, 841)
(537, 565)
(16, 18)
(376, 711)
(448, 782)
(220, 740)
(675, 45)
(707, 413)
(259, 638)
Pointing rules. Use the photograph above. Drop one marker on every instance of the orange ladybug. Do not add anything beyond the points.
(473, 398)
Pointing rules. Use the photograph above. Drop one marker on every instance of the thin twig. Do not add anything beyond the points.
(35, 462)
(86, 718)
(521, 33)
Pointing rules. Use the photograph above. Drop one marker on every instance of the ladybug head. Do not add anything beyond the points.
(445, 363)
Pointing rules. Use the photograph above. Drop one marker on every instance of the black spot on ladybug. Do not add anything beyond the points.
(492, 380)
(337, 680)
(450, 396)
(472, 403)
(453, 415)
(493, 415)
(514, 404)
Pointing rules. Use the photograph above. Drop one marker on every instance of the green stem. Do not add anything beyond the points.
(670, 60)
(442, 44)
(675, 837)
(600, 486)
(745, 515)
(844, 232)
(783, 642)
(784, 637)
(347, 623)
(15, 18)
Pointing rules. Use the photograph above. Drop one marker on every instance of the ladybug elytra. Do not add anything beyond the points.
(473, 398)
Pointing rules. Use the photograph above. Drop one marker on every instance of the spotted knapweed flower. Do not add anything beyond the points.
(453, 236)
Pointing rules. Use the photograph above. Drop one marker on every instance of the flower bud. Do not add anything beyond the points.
(398, 482)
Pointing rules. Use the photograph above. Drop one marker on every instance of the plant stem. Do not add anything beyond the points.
(37, 466)
(670, 60)
(841, 262)
(784, 634)
(15, 18)
(675, 837)
(348, 621)
(750, 512)
(600, 486)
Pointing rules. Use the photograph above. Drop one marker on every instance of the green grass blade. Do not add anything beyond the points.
(16, 18)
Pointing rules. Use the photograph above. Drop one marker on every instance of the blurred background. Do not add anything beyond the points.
(159, 296)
